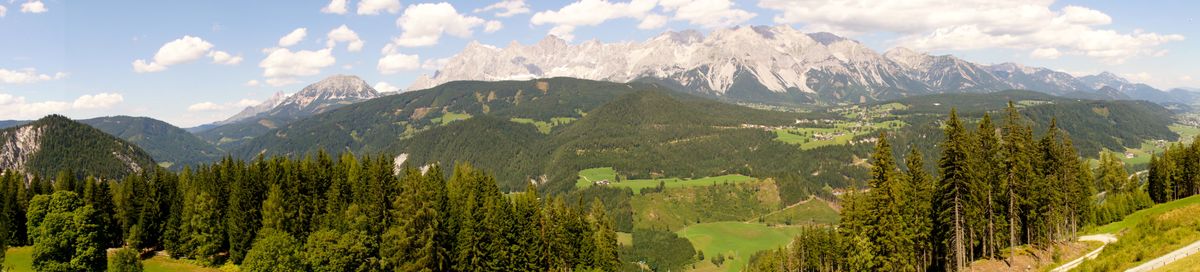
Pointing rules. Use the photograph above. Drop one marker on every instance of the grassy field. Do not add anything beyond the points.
(450, 117)
(588, 176)
(1141, 155)
(840, 134)
(677, 208)
(20, 259)
(813, 211)
(737, 241)
(543, 126)
(1137, 217)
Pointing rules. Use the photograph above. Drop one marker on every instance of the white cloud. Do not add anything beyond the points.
(335, 7)
(976, 24)
(17, 107)
(435, 64)
(1045, 53)
(653, 21)
(3, 11)
(493, 26)
(253, 83)
(34, 6)
(384, 87)
(506, 8)
(396, 62)
(182, 50)
(97, 101)
(282, 65)
(424, 24)
(293, 37)
(245, 102)
(27, 75)
(707, 13)
(205, 106)
(221, 57)
(590, 13)
(1185, 78)
(373, 7)
(344, 34)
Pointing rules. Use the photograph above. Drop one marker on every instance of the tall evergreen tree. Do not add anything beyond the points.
(953, 191)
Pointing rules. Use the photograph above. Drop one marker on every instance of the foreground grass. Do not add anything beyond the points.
(589, 176)
(1152, 235)
(1135, 218)
(737, 241)
(20, 259)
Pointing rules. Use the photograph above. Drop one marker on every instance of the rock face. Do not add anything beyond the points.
(19, 145)
(756, 64)
(326, 94)
(252, 111)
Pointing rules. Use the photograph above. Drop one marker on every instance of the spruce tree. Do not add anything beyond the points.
(953, 190)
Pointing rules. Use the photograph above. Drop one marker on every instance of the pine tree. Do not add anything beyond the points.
(605, 256)
(919, 212)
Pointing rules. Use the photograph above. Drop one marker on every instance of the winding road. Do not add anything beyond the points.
(1103, 238)
(1169, 258)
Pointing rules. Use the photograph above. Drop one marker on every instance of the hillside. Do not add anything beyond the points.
(54, 143)
(378, 123)
(329, 93)
(170, 146)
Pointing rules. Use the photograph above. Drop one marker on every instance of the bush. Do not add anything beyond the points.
(125, 260)
(273, 251)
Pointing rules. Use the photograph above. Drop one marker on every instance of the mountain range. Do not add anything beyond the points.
(776, 65)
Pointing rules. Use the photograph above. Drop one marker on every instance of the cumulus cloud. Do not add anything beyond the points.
(506, 8)
(211, 107)
(590, 13)
(178, 51)
(221, 57)
(335, 7)
(3, 11)
(18, 107)
(35, 7)
(373, 7)
(653, 21)
(384, 87)
(282, 65)
(27, 75)
(396, 62)
(424, 24)
(1045, 53)
(252, 83)
(205, 106)
(293, 37)
(1031, 25)
(344, 34)
(97, 101)
(707, 13)
(492, 26)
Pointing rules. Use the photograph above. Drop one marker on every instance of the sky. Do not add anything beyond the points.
(196, 62)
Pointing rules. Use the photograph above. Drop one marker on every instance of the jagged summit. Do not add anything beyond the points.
(330, 91)
(757, 64)
(252, 111)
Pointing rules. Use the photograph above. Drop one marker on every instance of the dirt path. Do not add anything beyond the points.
(1169, 258)
(1103, 238)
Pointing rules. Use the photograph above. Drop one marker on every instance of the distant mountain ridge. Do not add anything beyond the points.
(170, 146)
(768, 64)
(327, 94)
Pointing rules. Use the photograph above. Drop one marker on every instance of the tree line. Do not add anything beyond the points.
(311, 214)
(996, 187)
(1175, 173)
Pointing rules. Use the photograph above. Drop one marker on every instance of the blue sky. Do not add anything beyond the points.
(202, 61)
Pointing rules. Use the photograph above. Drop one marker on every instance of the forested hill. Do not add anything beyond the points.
(1092, 124)
(171, 146)
(54, 143)
(376, 123)
(643, 134)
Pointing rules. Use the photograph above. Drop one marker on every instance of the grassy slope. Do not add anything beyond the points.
(676, 208)
(813, 211)
(1133, 219)
(737, 241)
(1149, 239)
(590, 175)
(20, 259)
